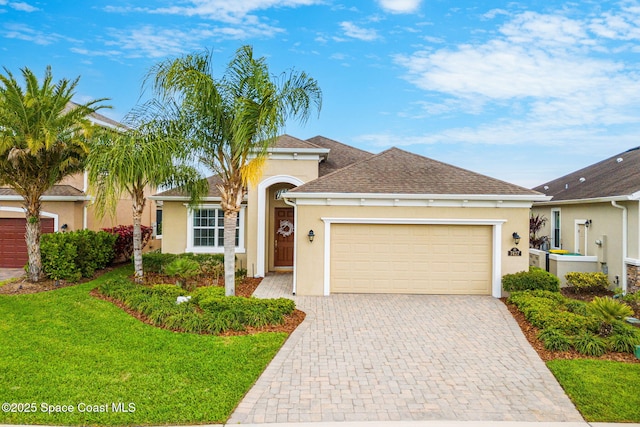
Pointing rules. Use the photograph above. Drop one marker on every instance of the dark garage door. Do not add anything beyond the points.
(13, 248)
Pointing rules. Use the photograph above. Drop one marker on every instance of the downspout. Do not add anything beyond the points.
(624, 244)
(295, 242)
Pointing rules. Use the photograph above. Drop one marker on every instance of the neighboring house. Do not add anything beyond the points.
(67, 206)
(345, 220)
(594, 212)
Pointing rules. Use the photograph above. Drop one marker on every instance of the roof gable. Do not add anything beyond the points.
(396, 171)
(340, 155)
(288, 141)
(616, 176)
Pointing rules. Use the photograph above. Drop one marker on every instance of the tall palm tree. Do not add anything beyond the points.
(130, 161)
(43, 139)
(231, 122)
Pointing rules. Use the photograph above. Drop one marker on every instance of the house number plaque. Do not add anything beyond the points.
(514, 252)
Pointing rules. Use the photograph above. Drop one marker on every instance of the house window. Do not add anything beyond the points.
(555, 229)
(205, 233)
(158, 229)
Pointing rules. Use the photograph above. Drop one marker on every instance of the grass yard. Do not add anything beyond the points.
(65, 350)
(602, 390)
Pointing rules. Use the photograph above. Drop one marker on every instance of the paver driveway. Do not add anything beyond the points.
(403, 357)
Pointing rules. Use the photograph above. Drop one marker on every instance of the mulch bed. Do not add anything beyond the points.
(243, 289)
(531, 332)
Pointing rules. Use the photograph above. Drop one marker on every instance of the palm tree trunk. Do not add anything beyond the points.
(230, 220)
(138, 207)
(32, 237)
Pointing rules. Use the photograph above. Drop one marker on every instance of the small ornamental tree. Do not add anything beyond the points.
(535, 225)
(124, 242)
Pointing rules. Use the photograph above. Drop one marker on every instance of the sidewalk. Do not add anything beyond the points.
(414, 424)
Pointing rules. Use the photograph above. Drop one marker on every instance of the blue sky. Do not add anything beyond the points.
(521, 91)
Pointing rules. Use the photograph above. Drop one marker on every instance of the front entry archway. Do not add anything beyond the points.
(262, 217)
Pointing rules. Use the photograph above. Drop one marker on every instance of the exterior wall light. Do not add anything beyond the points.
(311, 235)
(516, 237)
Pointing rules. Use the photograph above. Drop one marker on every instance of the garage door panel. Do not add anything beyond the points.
(402, 258)
(13, 247)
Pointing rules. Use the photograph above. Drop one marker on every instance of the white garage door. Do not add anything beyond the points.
(416, 259)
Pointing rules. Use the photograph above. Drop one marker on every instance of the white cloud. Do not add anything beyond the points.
(154, 42)
(218, 10)
(543, 75)
(400, 6)
(353, 31)
(23, 7)
(26, 33)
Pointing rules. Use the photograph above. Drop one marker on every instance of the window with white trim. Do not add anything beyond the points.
(205, 232)
(555, 229)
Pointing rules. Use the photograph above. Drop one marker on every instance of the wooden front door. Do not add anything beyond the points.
(284, 234)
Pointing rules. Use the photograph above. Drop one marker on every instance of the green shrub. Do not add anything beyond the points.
(577, 307)
(154, 262)
(59, 258)
(608, 309)
(589, 344)
(587, 281)
(571, 323)
(622, 343)
(535, 278)
(204, 292)
(554, 340)
(183, 268)
(171, 291)
(76, 254)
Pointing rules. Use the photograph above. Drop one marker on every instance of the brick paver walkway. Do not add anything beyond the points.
(403, 357)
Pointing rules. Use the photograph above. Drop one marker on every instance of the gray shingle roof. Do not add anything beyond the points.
(608, 178)
(178, 192)
(288, 141)
(401, 172)
(340, 156)
(56, 190)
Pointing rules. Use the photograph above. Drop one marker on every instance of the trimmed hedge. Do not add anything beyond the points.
(70, 256)
(587, 281)
(535, 278)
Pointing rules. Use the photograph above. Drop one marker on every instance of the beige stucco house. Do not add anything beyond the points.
(594, 212)
(67, 206)
(345, 220)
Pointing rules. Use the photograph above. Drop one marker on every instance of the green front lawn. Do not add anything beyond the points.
(65, 347)
(603, 391)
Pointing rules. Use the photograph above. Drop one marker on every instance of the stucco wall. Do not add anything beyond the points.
(310, 255)
(606, 226)
(69, 213)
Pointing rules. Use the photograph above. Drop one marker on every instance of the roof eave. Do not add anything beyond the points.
(490, 197)
(15, 198)
(622, 198)
(181, 198)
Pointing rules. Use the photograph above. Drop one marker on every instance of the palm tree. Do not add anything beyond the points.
(43, 138)
(129, 161)
(232, 121)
